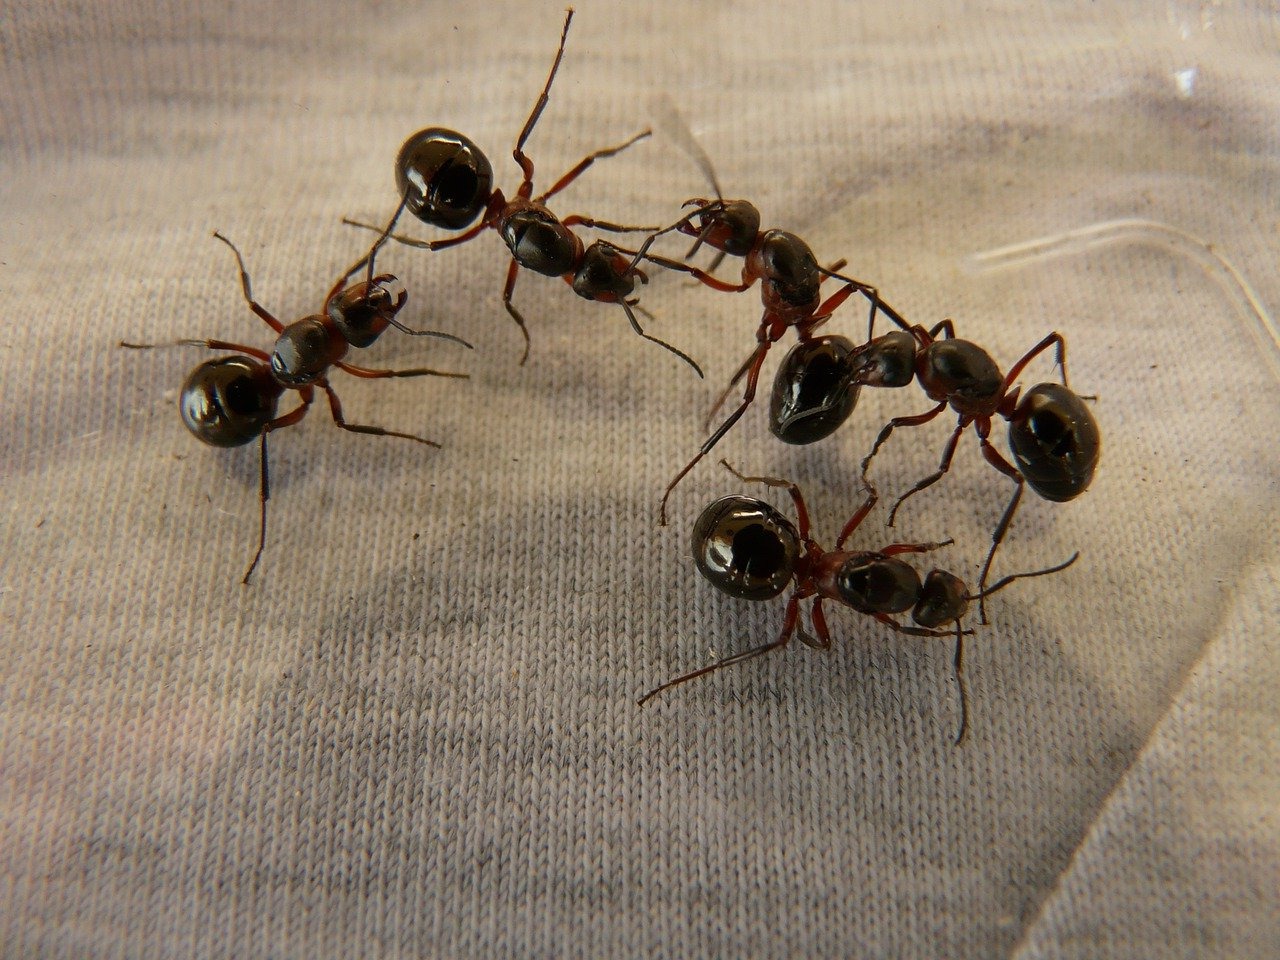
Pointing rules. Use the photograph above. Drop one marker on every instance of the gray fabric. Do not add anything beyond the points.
(415, 734)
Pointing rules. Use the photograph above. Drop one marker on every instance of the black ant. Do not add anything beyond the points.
(446, 181)
(230, 401)
(749, 550)
(1053, 435)
(790, 286)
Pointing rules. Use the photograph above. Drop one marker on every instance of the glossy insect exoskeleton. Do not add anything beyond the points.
(812, 391)
(231, 401)
(446, 181)
(748, 549)
(1053, 435)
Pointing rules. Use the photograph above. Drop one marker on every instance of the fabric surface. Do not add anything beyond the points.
(415, 734)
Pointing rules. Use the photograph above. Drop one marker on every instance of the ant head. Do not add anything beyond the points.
(874, 583)
(728, 225)
(228, 400)
(943, 599)
(445, 178)
(1055, 441)
(745, 547)
(363, 310)
(812, 392)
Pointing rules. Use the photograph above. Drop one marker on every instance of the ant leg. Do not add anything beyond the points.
(577, 220)
(945, 327)
(748, 395)
(627, 305)
(944, 465)
(964, 694)
(802, 512)
(512, 272)
(526, 165)
(888, 621)
(335, 408)
(585, 162)
(408, 241)
(247, 289)
(994, 458)
(724, 394)
(370, 373)
(210, 344)
(914, 421)
(859, 515)
(715, 283)
(264, 482)
(822, 640)
(1060, 354)
(894, 549)
(368, 259)
(788, 628)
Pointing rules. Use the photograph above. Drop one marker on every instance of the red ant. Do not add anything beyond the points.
(1054, 437)
(229, 401)
(749, 550)
(790, 286)
(446, 181)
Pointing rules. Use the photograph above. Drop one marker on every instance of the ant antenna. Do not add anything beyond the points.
(1002, 583)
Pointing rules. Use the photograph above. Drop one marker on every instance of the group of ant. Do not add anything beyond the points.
(743, 545)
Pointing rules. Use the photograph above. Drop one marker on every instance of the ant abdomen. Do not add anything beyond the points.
(812, 392)
(745, 547)
(1055, 441)
(445, 178)
(225, 402)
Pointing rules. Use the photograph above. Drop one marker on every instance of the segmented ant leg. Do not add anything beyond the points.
(788, 628)
(724, 394)
(888, 621)
(802, 511)
(335, 408)
(526, 165)
(368, 259)
(822, 641)
(944, 327)
(417, 244)
(577, 220)
(587, 161)
(715, 283)
(944, 465)
(247, 288)
(627, 305)
(914, 421)
(210, 344)
(858, 516)
(513, 271)
(370, 373)
(993, 457)
(748, 395)
(264, 482)
(893, 549)
(960, 687)
(1060, 356)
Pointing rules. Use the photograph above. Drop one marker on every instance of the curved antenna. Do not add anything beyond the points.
(1153, 232)
(1005, 581)
(669, 119)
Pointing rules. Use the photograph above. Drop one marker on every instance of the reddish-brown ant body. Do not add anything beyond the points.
(446, 181)
(749, 550)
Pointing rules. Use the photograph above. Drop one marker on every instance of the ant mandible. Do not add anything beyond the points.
(1053, 435)
(230, 401)
(749, 550)
(446, 181)
(790, 287)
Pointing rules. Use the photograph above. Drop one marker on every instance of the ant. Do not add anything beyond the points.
(749, 550)
(446, 181)
(1053, 435)
(790, 286)
(230, 401)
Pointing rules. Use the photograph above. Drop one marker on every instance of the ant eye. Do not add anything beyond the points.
(445, 177)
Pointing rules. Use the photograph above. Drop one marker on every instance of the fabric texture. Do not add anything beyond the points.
(415, 733)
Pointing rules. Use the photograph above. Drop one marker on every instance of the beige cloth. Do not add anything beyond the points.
(415, 734)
